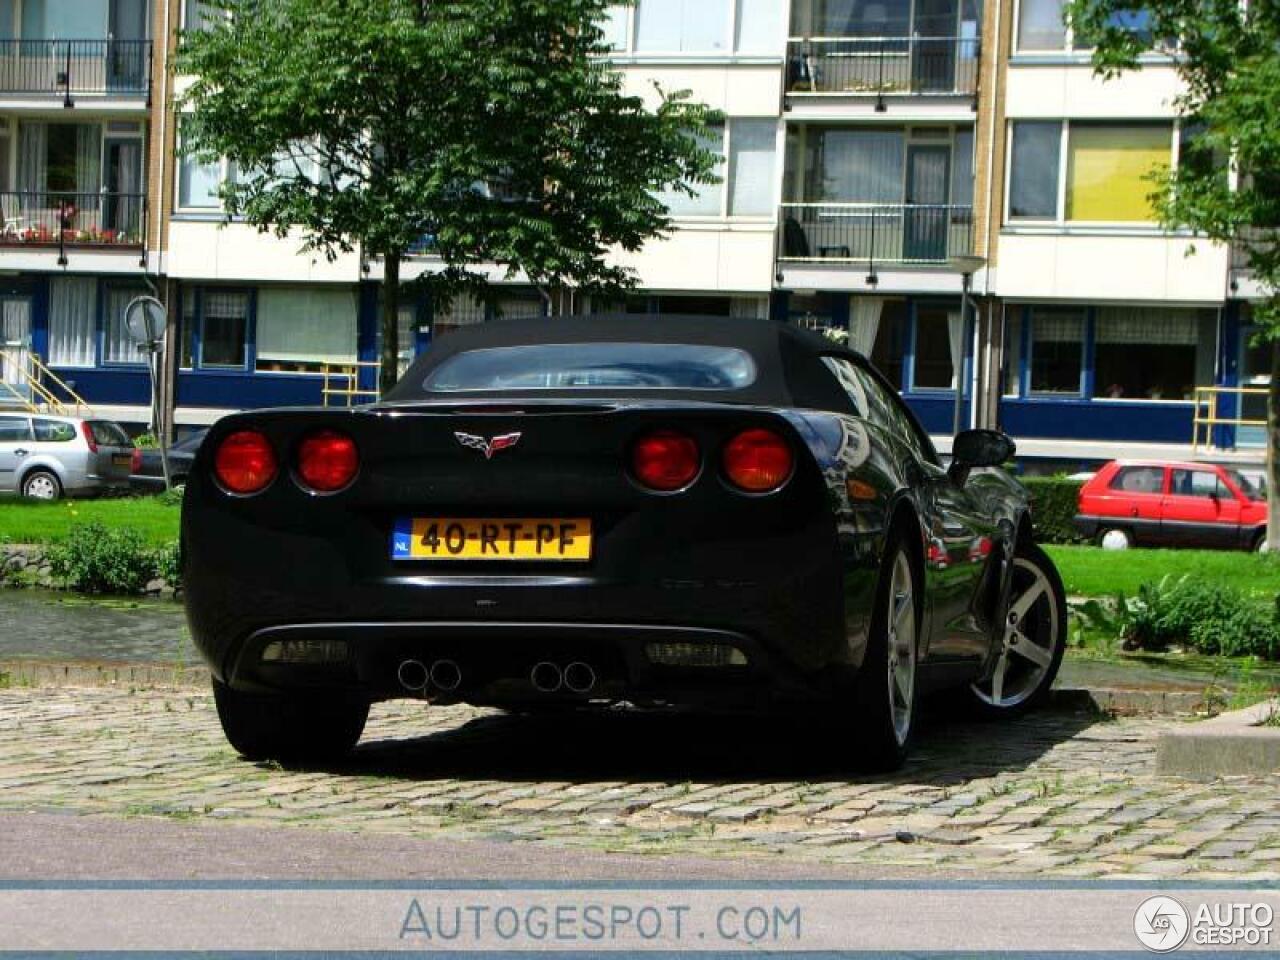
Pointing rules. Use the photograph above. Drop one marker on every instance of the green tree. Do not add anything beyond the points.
(486, 131)
(1227, 184)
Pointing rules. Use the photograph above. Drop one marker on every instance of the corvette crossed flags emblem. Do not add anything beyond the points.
(488, 447)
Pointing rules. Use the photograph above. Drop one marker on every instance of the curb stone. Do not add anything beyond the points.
(1233, 744)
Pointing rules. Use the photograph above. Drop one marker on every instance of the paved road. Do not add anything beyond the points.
(58, 847)
(1056, 794)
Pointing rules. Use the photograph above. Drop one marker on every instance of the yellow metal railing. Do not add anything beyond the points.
(37, 377)
(342, 383)
(1208, 413)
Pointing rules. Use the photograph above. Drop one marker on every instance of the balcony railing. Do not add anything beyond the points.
(880, 66)
(874, 233)
(63, 220)
(71, 68)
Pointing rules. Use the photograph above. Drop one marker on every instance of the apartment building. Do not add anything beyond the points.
(944, 180)
(77, 89)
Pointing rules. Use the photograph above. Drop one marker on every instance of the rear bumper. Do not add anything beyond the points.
(496, 660)
(790, 623)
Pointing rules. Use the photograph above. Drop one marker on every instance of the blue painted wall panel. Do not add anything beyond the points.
(107, 385)
(1097, 420)
(248, 391)
(936, 413)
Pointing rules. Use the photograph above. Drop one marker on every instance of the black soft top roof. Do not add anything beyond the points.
(784, 354)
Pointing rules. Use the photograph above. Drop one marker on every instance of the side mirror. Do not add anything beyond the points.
(979, 448)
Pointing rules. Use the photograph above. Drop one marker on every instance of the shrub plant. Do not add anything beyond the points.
(1211, 618)
(1054, 501)
(97, 559)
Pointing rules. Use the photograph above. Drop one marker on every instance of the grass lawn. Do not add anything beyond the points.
(1094, 572)
(26, 521)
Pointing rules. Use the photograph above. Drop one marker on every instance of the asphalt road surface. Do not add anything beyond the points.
(54, 847)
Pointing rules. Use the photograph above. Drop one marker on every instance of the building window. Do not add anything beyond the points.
(617, 27)
(527, 305)
(224, 329)
(1012, 354)
(759, 26)
(1041, 25)
(1057, 350)
(682, 26)
(117, 344)
(693, 27)
(1152, 353)
(938, 342)
(855, 18)
(708, 198)
(888, 353)
(1109, 169)
(199, 15)
(854, 166)
(299, 329)
(198, 184)
(73, 321)
(1137, 22)
(1033, 181)
(752, 155)
(464, 311)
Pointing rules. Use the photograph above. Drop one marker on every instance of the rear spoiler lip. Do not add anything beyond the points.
(506, 405)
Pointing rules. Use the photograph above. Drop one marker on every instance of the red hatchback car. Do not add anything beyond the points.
(1172, 505)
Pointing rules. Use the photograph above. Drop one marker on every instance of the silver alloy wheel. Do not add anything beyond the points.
(41, 487)
(901, 642)
(1032, 634)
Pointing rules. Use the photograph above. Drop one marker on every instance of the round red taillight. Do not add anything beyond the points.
(665, 460)
(327, 461)
(245, 462)
(758, 461)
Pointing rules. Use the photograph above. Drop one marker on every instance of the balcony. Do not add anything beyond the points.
(871, 235)
(63, 221)
(883, 66)
(68, 69)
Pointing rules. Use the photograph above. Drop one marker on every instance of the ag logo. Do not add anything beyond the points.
(1161, 924)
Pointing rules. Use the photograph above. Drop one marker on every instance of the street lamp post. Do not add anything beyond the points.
(967, 265)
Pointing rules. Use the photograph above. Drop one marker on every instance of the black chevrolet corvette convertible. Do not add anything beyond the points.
(684, 513)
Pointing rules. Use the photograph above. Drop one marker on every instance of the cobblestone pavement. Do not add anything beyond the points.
(1056, 793)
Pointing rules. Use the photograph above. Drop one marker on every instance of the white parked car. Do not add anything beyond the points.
(47, 457)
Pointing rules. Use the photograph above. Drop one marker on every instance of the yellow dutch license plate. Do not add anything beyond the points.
(484, 538)
(121, 460)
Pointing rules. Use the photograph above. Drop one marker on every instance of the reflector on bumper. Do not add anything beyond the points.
(695, 655)
(305, 651)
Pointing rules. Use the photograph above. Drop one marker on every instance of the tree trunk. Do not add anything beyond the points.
(390, 359)
(1273, 450)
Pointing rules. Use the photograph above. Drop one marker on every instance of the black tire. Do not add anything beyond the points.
(289, 729)
(42, 481)
(1260, 542)
(1044, 627)
(881, 742)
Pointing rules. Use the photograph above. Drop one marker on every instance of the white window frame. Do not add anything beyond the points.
(1059, 221)
(725, 186)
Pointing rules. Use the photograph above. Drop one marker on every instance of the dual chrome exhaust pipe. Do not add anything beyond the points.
(577, 677)
(443, 675)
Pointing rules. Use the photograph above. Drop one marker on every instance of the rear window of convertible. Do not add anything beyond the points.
(595, 366)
